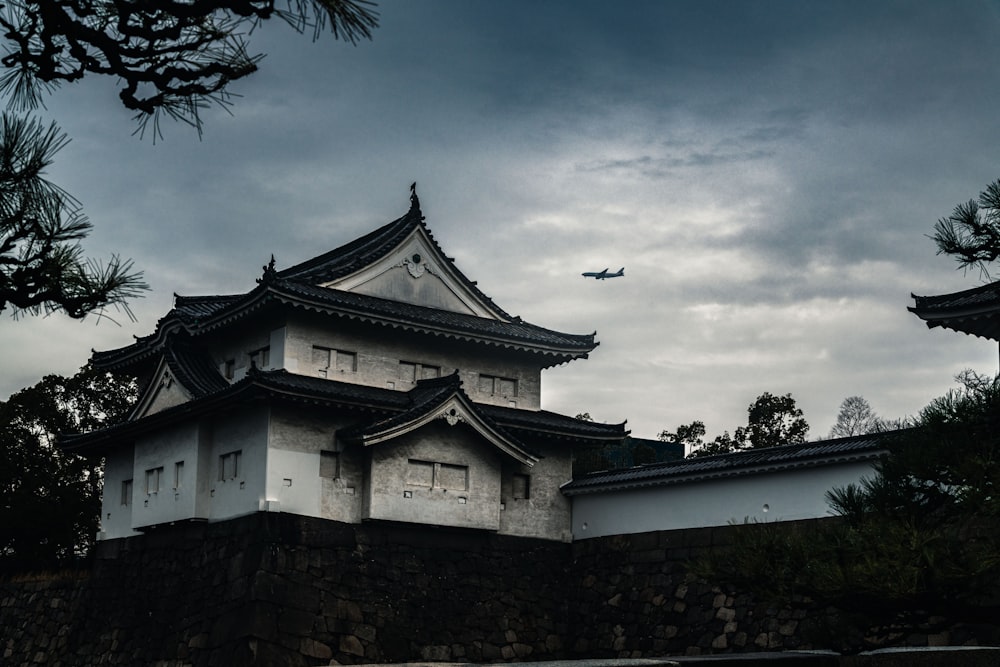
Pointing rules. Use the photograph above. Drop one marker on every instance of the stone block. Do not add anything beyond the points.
(296, 622)
(351, 645)
(315, 649)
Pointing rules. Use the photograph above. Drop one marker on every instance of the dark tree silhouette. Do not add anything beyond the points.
(916, 548)
(855, 417)
(174, 56)
(41, 264)
(771, 421)
(49, 500)
(972, 232)
(689, 435)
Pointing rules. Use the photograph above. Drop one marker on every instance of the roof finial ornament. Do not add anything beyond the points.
(414, 200)
(269, 272)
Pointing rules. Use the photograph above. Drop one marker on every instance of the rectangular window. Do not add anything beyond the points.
(497, 386)
(230, 369)
(178, 474)
(126, 493)
(329, 465)
(437, 475)
(326, 360)
(522, 487)
(321, 360)
(410, 371)
(420, 473)
(261, 358)
(452, 477)
(153, 476)
(229, 465)
(347, 362)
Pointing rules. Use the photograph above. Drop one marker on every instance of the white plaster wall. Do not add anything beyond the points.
(167, 394)
(116, 519)
(341, 499)
(164, 449)
(397, 284)
(546, 512)
(783, 496)
(391, 497)
(245, 430)
(296, 439)
(238, 342)
(379, 353)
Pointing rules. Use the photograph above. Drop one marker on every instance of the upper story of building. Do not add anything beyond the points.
(385, 310)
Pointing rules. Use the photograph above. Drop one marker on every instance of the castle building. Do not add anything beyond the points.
(373, 382)
(973, 311)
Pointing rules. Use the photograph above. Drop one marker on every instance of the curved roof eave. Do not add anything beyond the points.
(576, 346)
(455, 408)
(375, 245)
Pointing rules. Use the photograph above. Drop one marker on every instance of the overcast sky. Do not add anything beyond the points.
(766, 172)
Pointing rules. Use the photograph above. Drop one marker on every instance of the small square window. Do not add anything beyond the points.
(326, 360)
(321, 360)
(229, 465)
(261, 358)
(153, 476)
(347, 362)
(498, 386)
(521, 487)
(329, 465)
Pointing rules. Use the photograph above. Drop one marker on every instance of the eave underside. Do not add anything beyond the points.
(371, 404)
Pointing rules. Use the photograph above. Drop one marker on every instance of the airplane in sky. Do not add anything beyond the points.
(601, 275)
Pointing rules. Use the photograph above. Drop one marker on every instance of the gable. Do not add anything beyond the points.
(165, 391)
(416, 272)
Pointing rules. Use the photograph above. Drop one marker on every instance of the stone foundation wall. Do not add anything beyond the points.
(278, 589)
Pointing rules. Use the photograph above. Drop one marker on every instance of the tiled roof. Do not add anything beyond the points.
(371, 247)
(379, 402)
(554, 424)
(809, 454)
(193, 369)
(973, 311)
(209, 314)
(297, 286)
(427, 397)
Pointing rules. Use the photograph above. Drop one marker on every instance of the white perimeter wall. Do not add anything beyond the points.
(777, 496)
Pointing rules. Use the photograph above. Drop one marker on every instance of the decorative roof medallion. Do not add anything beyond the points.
(415, 264)
(451, 416)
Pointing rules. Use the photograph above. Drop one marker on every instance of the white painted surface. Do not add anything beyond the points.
(788, 495)
(162, 451)
(116, 517)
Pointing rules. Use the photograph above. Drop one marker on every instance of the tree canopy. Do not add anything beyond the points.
(174, 56)
(49, 500)
(771, 421)
(855, 417)
(916, 547)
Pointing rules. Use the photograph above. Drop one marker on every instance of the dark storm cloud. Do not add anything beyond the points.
(767, 171)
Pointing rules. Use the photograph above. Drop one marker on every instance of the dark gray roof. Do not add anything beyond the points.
(371, 404)
(297, 287)
(973, 311)
(194, 369)
(755, 461)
